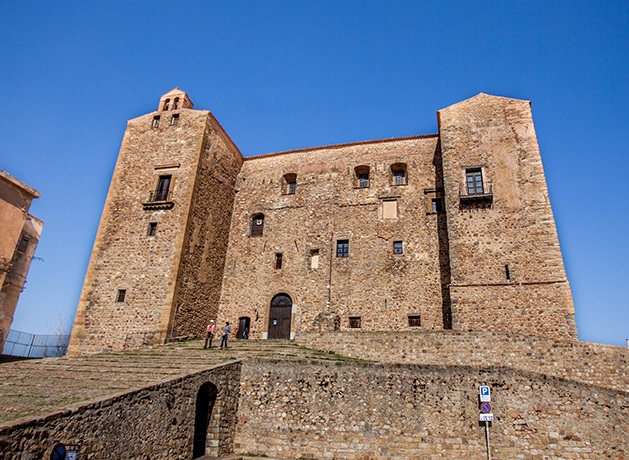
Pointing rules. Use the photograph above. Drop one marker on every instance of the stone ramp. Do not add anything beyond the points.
(39, 387)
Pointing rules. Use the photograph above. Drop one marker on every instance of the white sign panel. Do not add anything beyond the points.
(485, 394)
(486, 417)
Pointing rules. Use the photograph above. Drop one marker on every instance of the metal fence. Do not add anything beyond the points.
(35, 345)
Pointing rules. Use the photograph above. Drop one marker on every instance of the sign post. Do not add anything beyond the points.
(484, 396)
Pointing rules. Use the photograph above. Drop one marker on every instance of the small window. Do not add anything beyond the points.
(176, 104)
(354, 322)
(314, 259)
(398, 174)
(257, 225)
(436, 205)
(290, 184)
(362, 176)
(155, 121)
(174, 120)
(342, 248)
(166, 104)
(474, 181)
(120, 295)
(152, 229)
(23, 245)
(278, 260)
(163, 188)
(414, 320)
(507, 273)
(398, 247)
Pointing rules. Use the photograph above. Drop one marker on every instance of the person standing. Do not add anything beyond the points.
(209, 334)
(226, 331)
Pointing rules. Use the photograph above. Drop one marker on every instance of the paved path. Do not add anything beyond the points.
(38, 387)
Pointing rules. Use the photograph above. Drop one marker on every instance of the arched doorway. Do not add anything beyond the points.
(280, 316)
(206, 397)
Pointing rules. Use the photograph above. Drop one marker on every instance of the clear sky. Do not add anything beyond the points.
(282, 75)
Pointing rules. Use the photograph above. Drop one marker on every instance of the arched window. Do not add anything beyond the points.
(257, 225)
(361, 176)
(290, 184)
(166, 104)
(176, 104)
(398, 174)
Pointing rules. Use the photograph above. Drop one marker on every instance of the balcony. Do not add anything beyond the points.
(474, 199)
(159, 200)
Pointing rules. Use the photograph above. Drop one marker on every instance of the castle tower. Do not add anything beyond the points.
(507, 272)
(157, 263)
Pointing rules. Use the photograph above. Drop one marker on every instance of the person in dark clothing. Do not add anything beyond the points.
(226, 331)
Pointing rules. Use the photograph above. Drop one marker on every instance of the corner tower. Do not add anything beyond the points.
(507, 272)
(157, 263)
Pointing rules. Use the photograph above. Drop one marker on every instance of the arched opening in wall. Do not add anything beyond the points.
(398, 174)
(206, 397)
(361, 176)
(176, 104)
(280, 317)
(289, 184)
(257, 225)
(243, 327)
(166, 104)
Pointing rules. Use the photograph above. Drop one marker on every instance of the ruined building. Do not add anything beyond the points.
(19, 235)
(452, 230)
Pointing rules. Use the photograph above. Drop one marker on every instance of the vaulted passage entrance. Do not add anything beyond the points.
(280, 316)
(206, 397)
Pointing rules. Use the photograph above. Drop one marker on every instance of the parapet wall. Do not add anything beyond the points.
(341, 410)
(589, 363)
(155, 422)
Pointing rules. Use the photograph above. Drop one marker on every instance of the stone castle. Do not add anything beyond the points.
(442, 231)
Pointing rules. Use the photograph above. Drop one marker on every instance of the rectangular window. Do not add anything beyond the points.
(155, 121)
(399, 178)
(363, 180)
(174, 119)
(342, 248)
(314, 259)
(474, 180)
(22, 245)
(291, 187)
(152, 229)
(389, 209)
(163, 187)
(436, 205)
(414, 320)
(278, 260)
(354, 322)
(398, 247)
(120, 295)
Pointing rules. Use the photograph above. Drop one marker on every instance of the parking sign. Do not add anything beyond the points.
(485, 393)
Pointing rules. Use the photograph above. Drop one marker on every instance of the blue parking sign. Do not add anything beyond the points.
(485, 393)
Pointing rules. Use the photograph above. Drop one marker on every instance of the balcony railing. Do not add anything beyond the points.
(485, 197)
(159, 200)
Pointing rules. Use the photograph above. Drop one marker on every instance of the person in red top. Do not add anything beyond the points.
(209, 334)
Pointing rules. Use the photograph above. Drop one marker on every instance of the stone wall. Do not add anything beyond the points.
(207, 232)
(586, 363)
(157, 422)
(373, 283)
(506, 265)
(365, 411)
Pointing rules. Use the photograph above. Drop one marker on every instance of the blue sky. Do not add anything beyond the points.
(281, 75)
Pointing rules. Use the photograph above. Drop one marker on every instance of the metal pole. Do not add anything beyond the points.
(487, 439)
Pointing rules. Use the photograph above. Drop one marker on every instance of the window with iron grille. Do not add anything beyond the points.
(354, 322)
(362, 176)
(474, 180)
(120, 295)
(398, 247)
(414, 320)
(342, 248)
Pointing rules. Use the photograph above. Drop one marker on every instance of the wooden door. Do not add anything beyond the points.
(280, 317)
